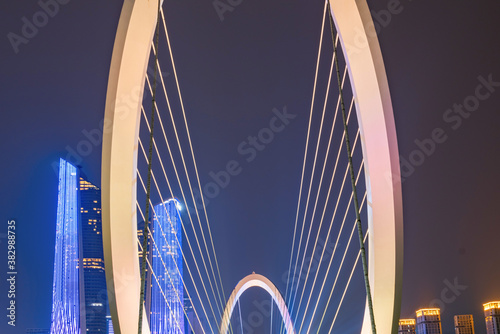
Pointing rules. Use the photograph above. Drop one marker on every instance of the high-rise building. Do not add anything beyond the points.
(94, 277)
(429, 321)
(464, 324)
(67, 316)
(79, 285)
(406, 326)
(492, 317)
(167, 291)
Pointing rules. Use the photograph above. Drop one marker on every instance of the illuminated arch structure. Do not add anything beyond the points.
(379, 143)
(255, 280)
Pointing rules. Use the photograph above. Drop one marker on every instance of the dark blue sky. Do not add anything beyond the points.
(233, 73)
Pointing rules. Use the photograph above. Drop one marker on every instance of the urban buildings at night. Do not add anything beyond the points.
(406, 326)
(429, 321)
(167, 291)
(492, 317)
(67, 295)
(79, 273)
(94, 277)
(464, 324)
(78, 246)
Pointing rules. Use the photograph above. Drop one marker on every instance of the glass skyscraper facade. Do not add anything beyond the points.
(94, 277)
(66, 317)
(167, 292)
(79, 285)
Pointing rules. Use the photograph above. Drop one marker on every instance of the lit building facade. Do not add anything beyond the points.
(79, 286)
(167, 292)
(94, 277)
(67, 316)
(464, 324)
(406, 326)
(492, 317)
(429, 321)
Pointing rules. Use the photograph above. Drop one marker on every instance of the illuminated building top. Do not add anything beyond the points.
(491, 305)
(428, 311)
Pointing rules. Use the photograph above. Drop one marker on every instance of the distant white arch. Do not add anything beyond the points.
(250, 281)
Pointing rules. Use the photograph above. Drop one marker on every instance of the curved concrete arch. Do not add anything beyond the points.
(380, 152)
(256, 280)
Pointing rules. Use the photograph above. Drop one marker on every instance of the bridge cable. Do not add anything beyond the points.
(332, 256)
(338, 202)
(187, 237)
(182, 191)
(148, 192)
(304, 162)
(195, 166)
(219, 307)
(178, 243)
(166, 270)
(318, 191)
(353, 182)
(241, 319)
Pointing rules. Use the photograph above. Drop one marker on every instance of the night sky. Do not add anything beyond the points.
(233, 73)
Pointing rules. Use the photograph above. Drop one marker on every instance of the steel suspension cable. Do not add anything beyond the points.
(341, 191)
(241, 319)
(178, 243)
(194, 161)
(304, 161)
(317, 193)
(148, 191)
(338, 272)
(184, 259)
(166, 270)
(353, 183)
(332, 256)
(163, 293)
(189, 245)
(180, 185)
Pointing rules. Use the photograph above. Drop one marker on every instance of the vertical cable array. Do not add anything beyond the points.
(353, 183)
(148, 190)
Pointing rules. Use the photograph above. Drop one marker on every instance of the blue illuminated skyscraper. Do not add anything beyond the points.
(79, 286)
(167, 292)
(67, 318)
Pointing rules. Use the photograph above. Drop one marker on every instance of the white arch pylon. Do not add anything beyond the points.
(359, 41)
(250, 281)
